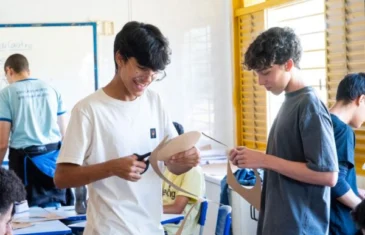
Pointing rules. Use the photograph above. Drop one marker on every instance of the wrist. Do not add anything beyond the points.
(267, 161)
(110, 167)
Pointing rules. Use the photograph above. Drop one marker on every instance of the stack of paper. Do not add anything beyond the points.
(213, 156)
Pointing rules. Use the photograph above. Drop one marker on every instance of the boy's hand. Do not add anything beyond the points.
(189, 158)
(247, 158)
(128, 168)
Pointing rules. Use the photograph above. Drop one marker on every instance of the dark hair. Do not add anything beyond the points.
(351, 87)
(11, 189)
(144, 42)
(274, 46)
(358, 215)
(17, 62)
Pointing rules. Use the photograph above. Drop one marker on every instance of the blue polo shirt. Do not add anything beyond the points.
(341, 222)
(32, 107)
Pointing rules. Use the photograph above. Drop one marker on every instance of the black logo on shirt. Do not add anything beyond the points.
(153, 133)
(169, 193)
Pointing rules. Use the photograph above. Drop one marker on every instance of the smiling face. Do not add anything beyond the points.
(275, 78)
(135, 77)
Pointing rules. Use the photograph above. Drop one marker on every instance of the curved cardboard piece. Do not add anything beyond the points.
(253, 195)
(178, 144)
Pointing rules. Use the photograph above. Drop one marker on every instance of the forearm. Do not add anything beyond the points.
(177, 207)
(71, 175)
(172, 209)
(299, 171)
(349, 199)
(2, 154)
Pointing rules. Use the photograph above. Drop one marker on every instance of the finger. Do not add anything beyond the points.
(177, 157)
(232, 155)
(140, 164)
(187, 159)
(133, 176)
(241, 162)
(191, 151)
(240, 147)
(235, 162)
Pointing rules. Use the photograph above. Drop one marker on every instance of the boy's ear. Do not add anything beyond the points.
(360, 99)
(289, 65)
(119, 59)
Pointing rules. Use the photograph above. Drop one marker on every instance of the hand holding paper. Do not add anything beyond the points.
(247, 158)
(189, 158)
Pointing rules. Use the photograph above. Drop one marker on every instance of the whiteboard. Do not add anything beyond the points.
(64, 55)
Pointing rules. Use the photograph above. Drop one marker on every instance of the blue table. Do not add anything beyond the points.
(166, 219)
(68, 212)
(54, 227)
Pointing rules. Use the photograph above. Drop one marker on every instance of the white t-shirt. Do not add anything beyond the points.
(102, 128)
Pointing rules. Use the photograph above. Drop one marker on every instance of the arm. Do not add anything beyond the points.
(300, 171)
(5, 127)
(61, 121)
(248, 158)
(177, 207)
(349, 199)
(71, 175)
(342, 191)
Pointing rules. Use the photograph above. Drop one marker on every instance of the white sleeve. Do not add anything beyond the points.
(77, 141)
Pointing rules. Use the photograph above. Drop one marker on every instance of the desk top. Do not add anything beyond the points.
(68, 212)
(54, 227)
(166, 219)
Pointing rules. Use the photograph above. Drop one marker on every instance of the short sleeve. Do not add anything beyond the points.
(77, 140)
(60, 109)
(193, 182)
(5, 111)
(318, 142)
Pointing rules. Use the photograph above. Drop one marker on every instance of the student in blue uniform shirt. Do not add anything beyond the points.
(348, 112)
(32, 113)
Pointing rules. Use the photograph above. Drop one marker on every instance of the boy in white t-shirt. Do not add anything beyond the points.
(109, 126)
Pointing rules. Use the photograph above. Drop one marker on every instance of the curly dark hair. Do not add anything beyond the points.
(358, 215)
(274, 46)
(11, 189)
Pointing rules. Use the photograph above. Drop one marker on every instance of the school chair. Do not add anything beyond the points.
(224, 220)
(203, 216)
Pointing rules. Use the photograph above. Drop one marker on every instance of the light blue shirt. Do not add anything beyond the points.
(32, 107)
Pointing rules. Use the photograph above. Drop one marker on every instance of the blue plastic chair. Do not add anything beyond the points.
(224, 220)
(203, 215)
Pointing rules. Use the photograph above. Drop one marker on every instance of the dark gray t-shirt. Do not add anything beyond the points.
(302, 132)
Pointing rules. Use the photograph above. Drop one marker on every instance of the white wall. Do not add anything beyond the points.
(198, 88)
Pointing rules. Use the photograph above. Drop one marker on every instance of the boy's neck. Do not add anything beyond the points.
(20, 76)
(343, 112)
(116, 89)
(296, 82)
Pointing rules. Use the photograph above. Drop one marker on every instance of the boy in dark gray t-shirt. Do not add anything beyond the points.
(301, 160)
